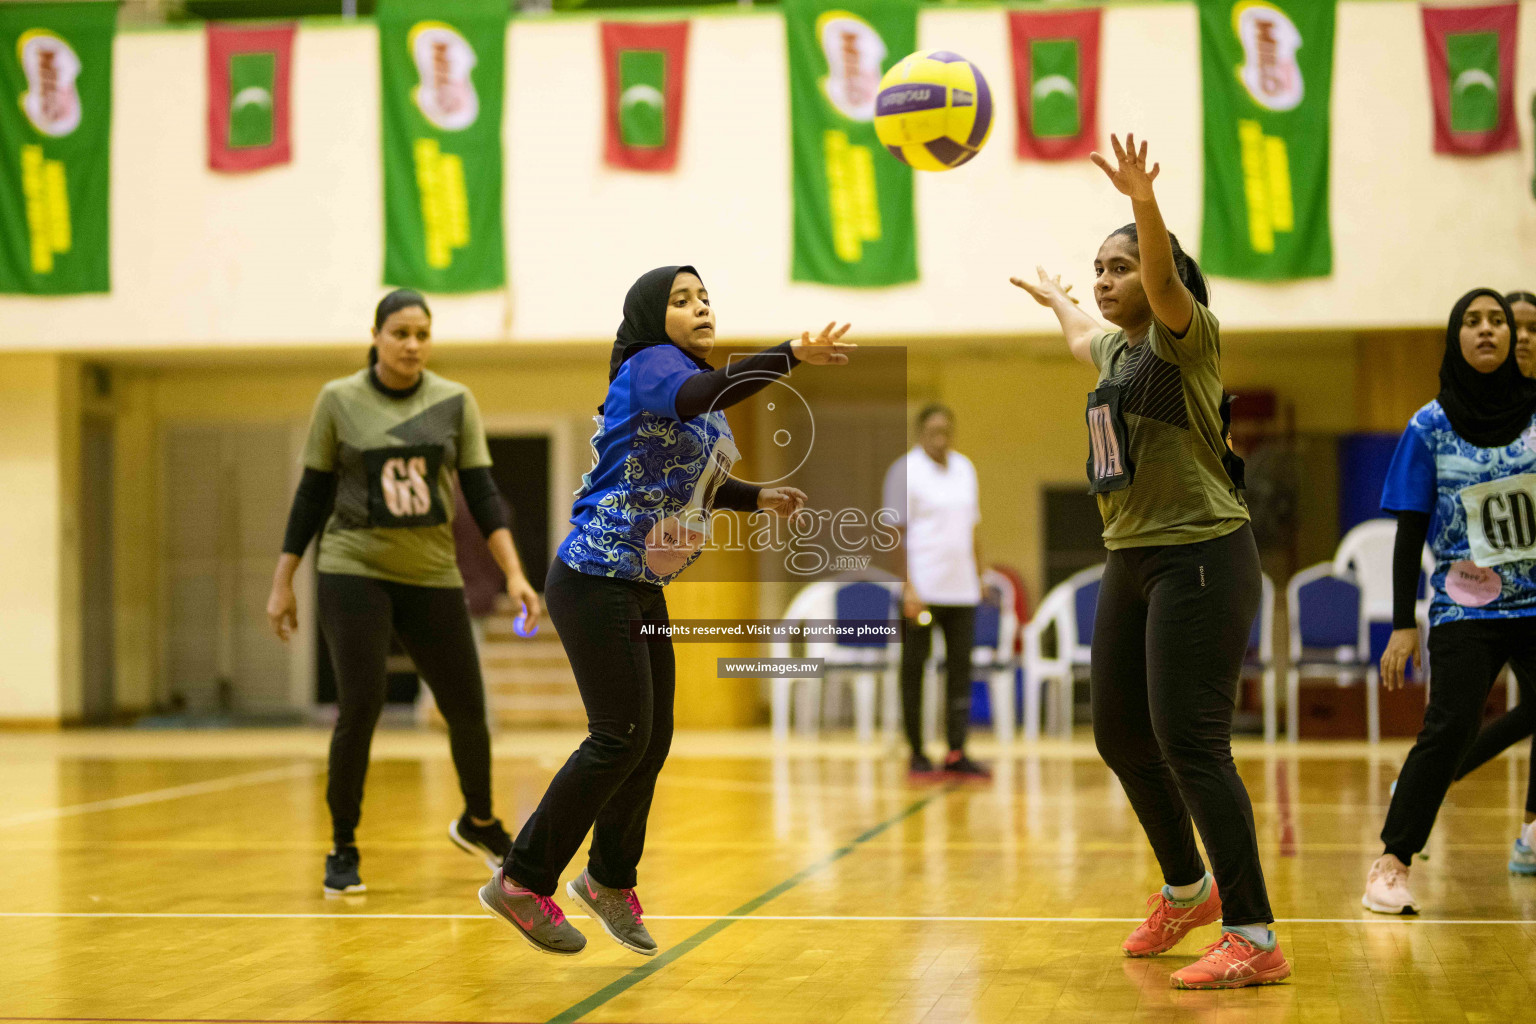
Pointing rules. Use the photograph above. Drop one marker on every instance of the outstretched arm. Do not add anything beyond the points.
(1170, 301)
(1078, 327)
(746, 377)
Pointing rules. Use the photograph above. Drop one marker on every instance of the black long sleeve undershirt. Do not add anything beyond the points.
(317, 493)
(743, 378)
(1407, 563)
(484, 500)
(311, 505)
(737, 496)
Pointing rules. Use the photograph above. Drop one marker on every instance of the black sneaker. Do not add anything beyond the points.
(960, 765)
(920, 765)
(341, 877)
(490, 842)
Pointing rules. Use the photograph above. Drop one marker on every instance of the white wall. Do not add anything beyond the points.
(293, 255)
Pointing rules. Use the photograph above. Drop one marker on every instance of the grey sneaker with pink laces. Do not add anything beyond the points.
(617, 910)
(535, 917)
(1386, 888)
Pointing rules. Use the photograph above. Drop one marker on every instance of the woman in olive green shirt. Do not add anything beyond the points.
(384, 446)
(1181, 584)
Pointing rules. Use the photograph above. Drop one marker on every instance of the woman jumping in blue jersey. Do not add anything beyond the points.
(1463, 477)
(663, 459)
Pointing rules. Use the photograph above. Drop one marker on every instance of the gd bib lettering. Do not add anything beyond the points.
(1109, 462)
(1501, 520)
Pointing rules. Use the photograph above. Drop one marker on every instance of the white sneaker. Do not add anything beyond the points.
(1386, 888)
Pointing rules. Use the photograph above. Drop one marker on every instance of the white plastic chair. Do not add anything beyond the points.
(1365, 554)
(1073, 651)
(999, 662)
(1261, 654)
(870, 667)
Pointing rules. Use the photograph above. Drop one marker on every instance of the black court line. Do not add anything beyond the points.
(575, 1012)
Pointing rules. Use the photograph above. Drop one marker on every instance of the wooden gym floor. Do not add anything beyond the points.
(176, 877)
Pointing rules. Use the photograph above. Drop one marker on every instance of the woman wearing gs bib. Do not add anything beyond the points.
(384, 444)
(662, 459)
(1181, 584)
(1464, 478)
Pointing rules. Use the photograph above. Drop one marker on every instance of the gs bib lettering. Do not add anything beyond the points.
(1501, 519)
(1109, 462)
(402, 486)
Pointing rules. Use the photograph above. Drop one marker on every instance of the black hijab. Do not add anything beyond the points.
(645, 317)
(1488, 409)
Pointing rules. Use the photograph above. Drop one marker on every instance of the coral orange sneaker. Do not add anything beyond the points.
(1234, 962)
(1169, 923)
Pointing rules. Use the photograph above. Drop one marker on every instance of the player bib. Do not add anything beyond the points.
(673, 540)
(1109, 461)
(1501, 519)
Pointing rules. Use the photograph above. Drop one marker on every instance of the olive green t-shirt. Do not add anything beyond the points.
(1168, 395)
(394, 459)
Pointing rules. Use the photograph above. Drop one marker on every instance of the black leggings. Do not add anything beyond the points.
(1464, 659)
(607, 784)
(358, 614)
(1498, 736)
(958, 621)
(1169, 638)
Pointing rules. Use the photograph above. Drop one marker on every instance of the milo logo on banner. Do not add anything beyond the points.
(1272, 78)
(51, 102)
(854, 52)
(1270, 40)
(446, 97)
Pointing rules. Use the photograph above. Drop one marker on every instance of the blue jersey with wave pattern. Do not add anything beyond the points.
(648, 466)
(1481, 511)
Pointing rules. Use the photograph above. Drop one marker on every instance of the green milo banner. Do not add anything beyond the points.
(55, 134)
(441, 67)
(1267, 70)
(853, 201)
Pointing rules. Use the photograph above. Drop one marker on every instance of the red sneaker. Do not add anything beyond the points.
(1234, 962)
(1168, 924)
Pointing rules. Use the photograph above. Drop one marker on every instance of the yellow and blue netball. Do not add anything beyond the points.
(934, 110)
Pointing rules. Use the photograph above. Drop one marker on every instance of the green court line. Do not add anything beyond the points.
(574, 1013)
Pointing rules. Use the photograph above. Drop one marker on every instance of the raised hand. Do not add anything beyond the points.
(1048, 290)
(826, 349)
(1130, 175)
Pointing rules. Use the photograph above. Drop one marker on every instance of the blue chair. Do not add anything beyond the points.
(869, 660)
(1328, 638)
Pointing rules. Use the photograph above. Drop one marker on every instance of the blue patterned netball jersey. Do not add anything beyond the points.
(1482, 507)
(642, 512)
